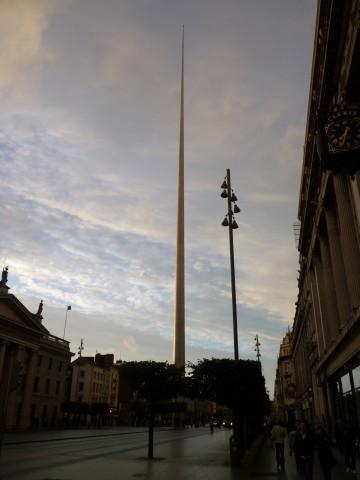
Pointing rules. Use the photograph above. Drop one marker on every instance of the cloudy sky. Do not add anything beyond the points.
(89, 130)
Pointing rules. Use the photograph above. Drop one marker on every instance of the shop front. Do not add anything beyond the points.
(345, 392)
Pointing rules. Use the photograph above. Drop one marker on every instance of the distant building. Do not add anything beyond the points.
(33, 366)
(326, 331)
(285, 390)
(95, 380)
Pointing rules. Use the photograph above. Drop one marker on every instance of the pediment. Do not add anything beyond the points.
(13, 311)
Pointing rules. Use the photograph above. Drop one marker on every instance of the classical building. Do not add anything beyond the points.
(285, 405)
(326, 330)
(33, 366)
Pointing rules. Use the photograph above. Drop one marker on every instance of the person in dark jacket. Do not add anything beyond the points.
(304, 445)
(294, 432)
(325, 454)
(349, 439)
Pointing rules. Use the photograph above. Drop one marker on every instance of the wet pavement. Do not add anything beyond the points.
(192, 454)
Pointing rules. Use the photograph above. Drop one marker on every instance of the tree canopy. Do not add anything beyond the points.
(239, 384)
(153, 381)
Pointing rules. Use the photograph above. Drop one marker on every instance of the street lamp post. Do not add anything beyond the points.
(257, 347)
(229, 221)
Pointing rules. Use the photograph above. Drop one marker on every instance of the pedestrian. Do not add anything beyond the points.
(349, 439)
(293, 432)
(325, 454)
(278, 435)
(304, 445)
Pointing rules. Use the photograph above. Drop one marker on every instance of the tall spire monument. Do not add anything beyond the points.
(179, 320)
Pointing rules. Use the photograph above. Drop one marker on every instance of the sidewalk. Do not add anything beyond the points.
(265, 465)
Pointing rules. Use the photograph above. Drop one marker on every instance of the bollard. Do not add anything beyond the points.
(235, 451)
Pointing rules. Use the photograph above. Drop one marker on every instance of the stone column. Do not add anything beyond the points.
(2, 357)
(355, 194)
(5, 388)
(341, 283)
(332, 323)
(348, 239)
(28, 391)
(321, 294)
(13, 398)
(315, 300)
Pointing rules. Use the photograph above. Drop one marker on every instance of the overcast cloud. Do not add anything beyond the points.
(89, 133)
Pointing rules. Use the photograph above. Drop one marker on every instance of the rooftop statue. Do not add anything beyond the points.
(4, 276)
(40, 308)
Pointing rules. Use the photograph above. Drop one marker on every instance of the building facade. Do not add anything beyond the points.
(33, 366)
(326, 330)
(95, 380)
(284, 391)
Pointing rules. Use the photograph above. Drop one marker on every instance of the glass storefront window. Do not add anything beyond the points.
(346, 385)
(356, 377)
(337, 386)
(347, 399)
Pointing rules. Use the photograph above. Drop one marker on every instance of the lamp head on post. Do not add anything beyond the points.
(224, 194)
(225, 222)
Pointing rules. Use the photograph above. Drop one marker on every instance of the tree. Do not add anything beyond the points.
(153, 382)
(239, 384)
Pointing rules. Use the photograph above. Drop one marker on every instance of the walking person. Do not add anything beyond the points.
(304, 445)
(349, 439)
(325, 454)
(293, 433)
(278, 435)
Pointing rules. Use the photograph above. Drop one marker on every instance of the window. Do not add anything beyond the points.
(356, 377)
(82, 374)
(39, 360)
(81, 387)
(36, 384)
(345, 382)
(57, 387)
(50, 363)
(47, 386)
(60, 366)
